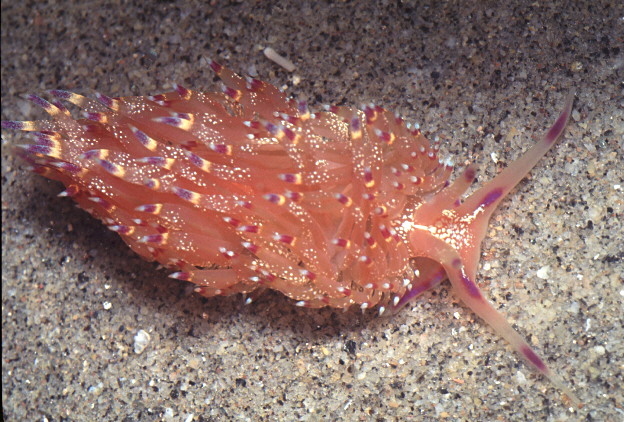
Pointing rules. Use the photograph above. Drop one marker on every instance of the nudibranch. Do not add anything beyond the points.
(244, 190)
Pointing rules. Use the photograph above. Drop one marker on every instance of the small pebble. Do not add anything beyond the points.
(520, 377)
(543, 272)
(574, 308)
(141, 340)
(576, 115)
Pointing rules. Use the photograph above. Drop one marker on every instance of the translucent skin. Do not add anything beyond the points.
(244, 190)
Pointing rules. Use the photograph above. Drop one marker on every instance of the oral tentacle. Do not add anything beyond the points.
(470, 294)
(467, 290)
(482, 203)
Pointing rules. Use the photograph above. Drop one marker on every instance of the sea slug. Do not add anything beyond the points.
(243, 190)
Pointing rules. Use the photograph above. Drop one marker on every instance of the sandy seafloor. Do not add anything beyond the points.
(488, 79)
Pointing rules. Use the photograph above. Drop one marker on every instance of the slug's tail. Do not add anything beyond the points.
(450, 233)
